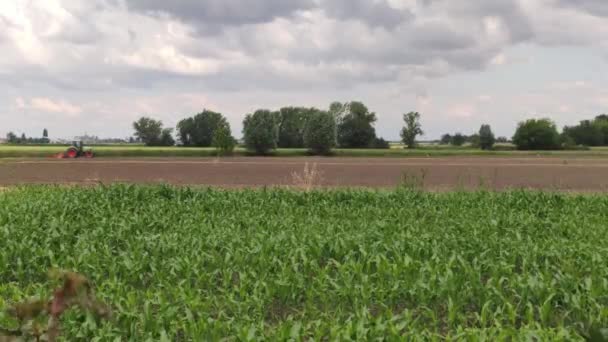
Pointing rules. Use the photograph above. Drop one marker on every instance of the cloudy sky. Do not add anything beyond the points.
(76, 66)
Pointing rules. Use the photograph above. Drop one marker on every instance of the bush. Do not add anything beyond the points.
(223, 141)
(381, 144)
(486, 137)
(458, 139)
(261, 131)
(537, 134)
(320, 132)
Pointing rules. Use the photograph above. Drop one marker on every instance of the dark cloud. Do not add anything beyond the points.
(375, 13)
(595, 7)
(212, 14)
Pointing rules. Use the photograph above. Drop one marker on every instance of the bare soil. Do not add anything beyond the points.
(573, 174)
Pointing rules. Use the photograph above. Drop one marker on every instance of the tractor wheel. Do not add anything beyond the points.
(72, 152)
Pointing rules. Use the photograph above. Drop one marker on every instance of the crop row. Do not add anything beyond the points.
(201, 264)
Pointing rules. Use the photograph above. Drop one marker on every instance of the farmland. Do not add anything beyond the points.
(397, 151)
(434, 173)
(204, 264)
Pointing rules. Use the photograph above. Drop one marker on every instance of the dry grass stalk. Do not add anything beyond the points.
(308, 179)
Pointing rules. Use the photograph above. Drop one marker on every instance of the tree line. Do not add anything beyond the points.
(351, 125)
(13, 138)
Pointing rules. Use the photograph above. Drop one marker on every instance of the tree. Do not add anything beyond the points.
(458, 139)
(320, 132)
(184, 131)
(412, 129)
(486, 137)
(23, 139)
(11, 138)
(148, 130)
(502, 140)
(261, 131)
(223, 141)
(166, 137)
(356, 125)
(198, 130)
(536, 134)
(291, 126)
(446, 139)
(45, 136)
(588, 133)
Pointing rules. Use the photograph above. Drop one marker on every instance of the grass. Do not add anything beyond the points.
(202, 264)
(45, 151)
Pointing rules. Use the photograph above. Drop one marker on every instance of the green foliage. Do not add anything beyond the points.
(355, 124)
(261, 131)
(223, 141)
(412, 129)
(198, 130)
(537, 134)
(589, 132)
(446, 139)
(291, 126)
(148, 131)
(486, 137)
(458, 139)
(204, 265)
(380, 144)
(166, 137)
(320, 132)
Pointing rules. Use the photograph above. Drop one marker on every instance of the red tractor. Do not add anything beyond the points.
(77, 150)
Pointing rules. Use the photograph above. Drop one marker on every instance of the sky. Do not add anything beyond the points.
(95, 66)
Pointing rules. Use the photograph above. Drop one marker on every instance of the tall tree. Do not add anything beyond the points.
(261, 131)
(184, 131)
(166, 137)
(11, 138)
(148, 130)
(198, 130)
(223, 141)
(291, 126)
(45, 136)
(320, 132)
(412, 129)
(486, 137)
(356, 125)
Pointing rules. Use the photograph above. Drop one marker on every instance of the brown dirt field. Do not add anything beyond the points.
(571, 174)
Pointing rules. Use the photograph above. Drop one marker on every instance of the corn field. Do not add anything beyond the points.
(182, 264)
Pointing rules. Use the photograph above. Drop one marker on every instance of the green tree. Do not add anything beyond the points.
(412, 129)
(223, 141)
(486, 137)
(381, 144)
(537, 134)
(185, 128)
(261, 131)
(356, 125)
(148, 130)
(587, 132)
(198, 130)
(291, 126)
(45, 136)
(320, 132)
(166, 137)
(446, 139)
(458, 139)
(11, 138)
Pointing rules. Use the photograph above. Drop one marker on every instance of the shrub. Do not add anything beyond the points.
(380, 143)
(537, 134)
(320, 132)
(223, 141)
